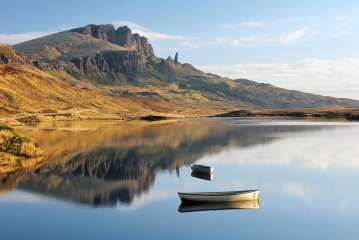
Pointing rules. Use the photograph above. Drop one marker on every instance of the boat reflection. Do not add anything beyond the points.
(196, 207)
(203, 176)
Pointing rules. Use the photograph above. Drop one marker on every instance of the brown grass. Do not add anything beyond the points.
(16, 151)
(27, 93)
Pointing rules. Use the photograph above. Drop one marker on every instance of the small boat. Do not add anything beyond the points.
(204, 176)
(201, 169)
(204, 206)
(219, 196)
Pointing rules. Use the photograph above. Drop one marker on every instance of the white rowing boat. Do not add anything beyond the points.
(196, 168)
(219, 196)
(205, 206)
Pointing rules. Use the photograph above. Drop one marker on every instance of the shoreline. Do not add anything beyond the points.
(323, 113)
(7, 159)
(350, 114)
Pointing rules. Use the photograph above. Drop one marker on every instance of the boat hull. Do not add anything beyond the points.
(201, 169)
(205, 206)
(219, 196)
(203, 176)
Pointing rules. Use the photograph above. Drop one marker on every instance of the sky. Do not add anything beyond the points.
(304, 45)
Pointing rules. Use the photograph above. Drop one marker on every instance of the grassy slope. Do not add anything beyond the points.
(25, 90)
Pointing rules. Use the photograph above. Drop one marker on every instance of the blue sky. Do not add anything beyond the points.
(304, 45)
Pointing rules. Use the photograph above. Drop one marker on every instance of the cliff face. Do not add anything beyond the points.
(109, 62)
(121, 36)
(97, 52)
(129, 62)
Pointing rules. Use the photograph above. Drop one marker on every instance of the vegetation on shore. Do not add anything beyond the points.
(16, 151)
(326, 113)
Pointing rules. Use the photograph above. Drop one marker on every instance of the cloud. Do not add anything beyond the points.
(245, 41)
(344, 28)
(291, 37)
(341, 17)
(136, 28)
(21, 37)
(145, 199)
(190, 45)
(319, 157)
(338, 77)
(287, 20)
(229, 26)
(253, 24)
(255, 40)
(245, 24)
(297, 190)
(19, 196)
(252, 40)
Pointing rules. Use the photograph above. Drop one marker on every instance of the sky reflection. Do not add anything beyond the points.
(306, 173)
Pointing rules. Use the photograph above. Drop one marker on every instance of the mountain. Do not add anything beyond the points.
(121, 69)
(30, 94)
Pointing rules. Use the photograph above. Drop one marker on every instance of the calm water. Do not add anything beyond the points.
(120, 181)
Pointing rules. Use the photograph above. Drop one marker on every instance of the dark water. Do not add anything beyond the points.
(120, 181)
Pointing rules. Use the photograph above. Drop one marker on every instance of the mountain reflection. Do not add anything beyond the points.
(113, 163)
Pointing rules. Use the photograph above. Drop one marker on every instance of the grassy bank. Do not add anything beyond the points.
(16, 151)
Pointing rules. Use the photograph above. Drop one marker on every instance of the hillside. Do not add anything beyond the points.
(30, 94)
(9, 56)
(27, 90)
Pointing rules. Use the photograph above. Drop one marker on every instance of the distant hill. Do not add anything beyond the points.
(121, 69)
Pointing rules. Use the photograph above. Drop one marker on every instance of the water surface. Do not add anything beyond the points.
(120, 181)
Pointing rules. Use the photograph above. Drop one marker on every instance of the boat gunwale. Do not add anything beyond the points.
(200, 166)
(218, 193)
